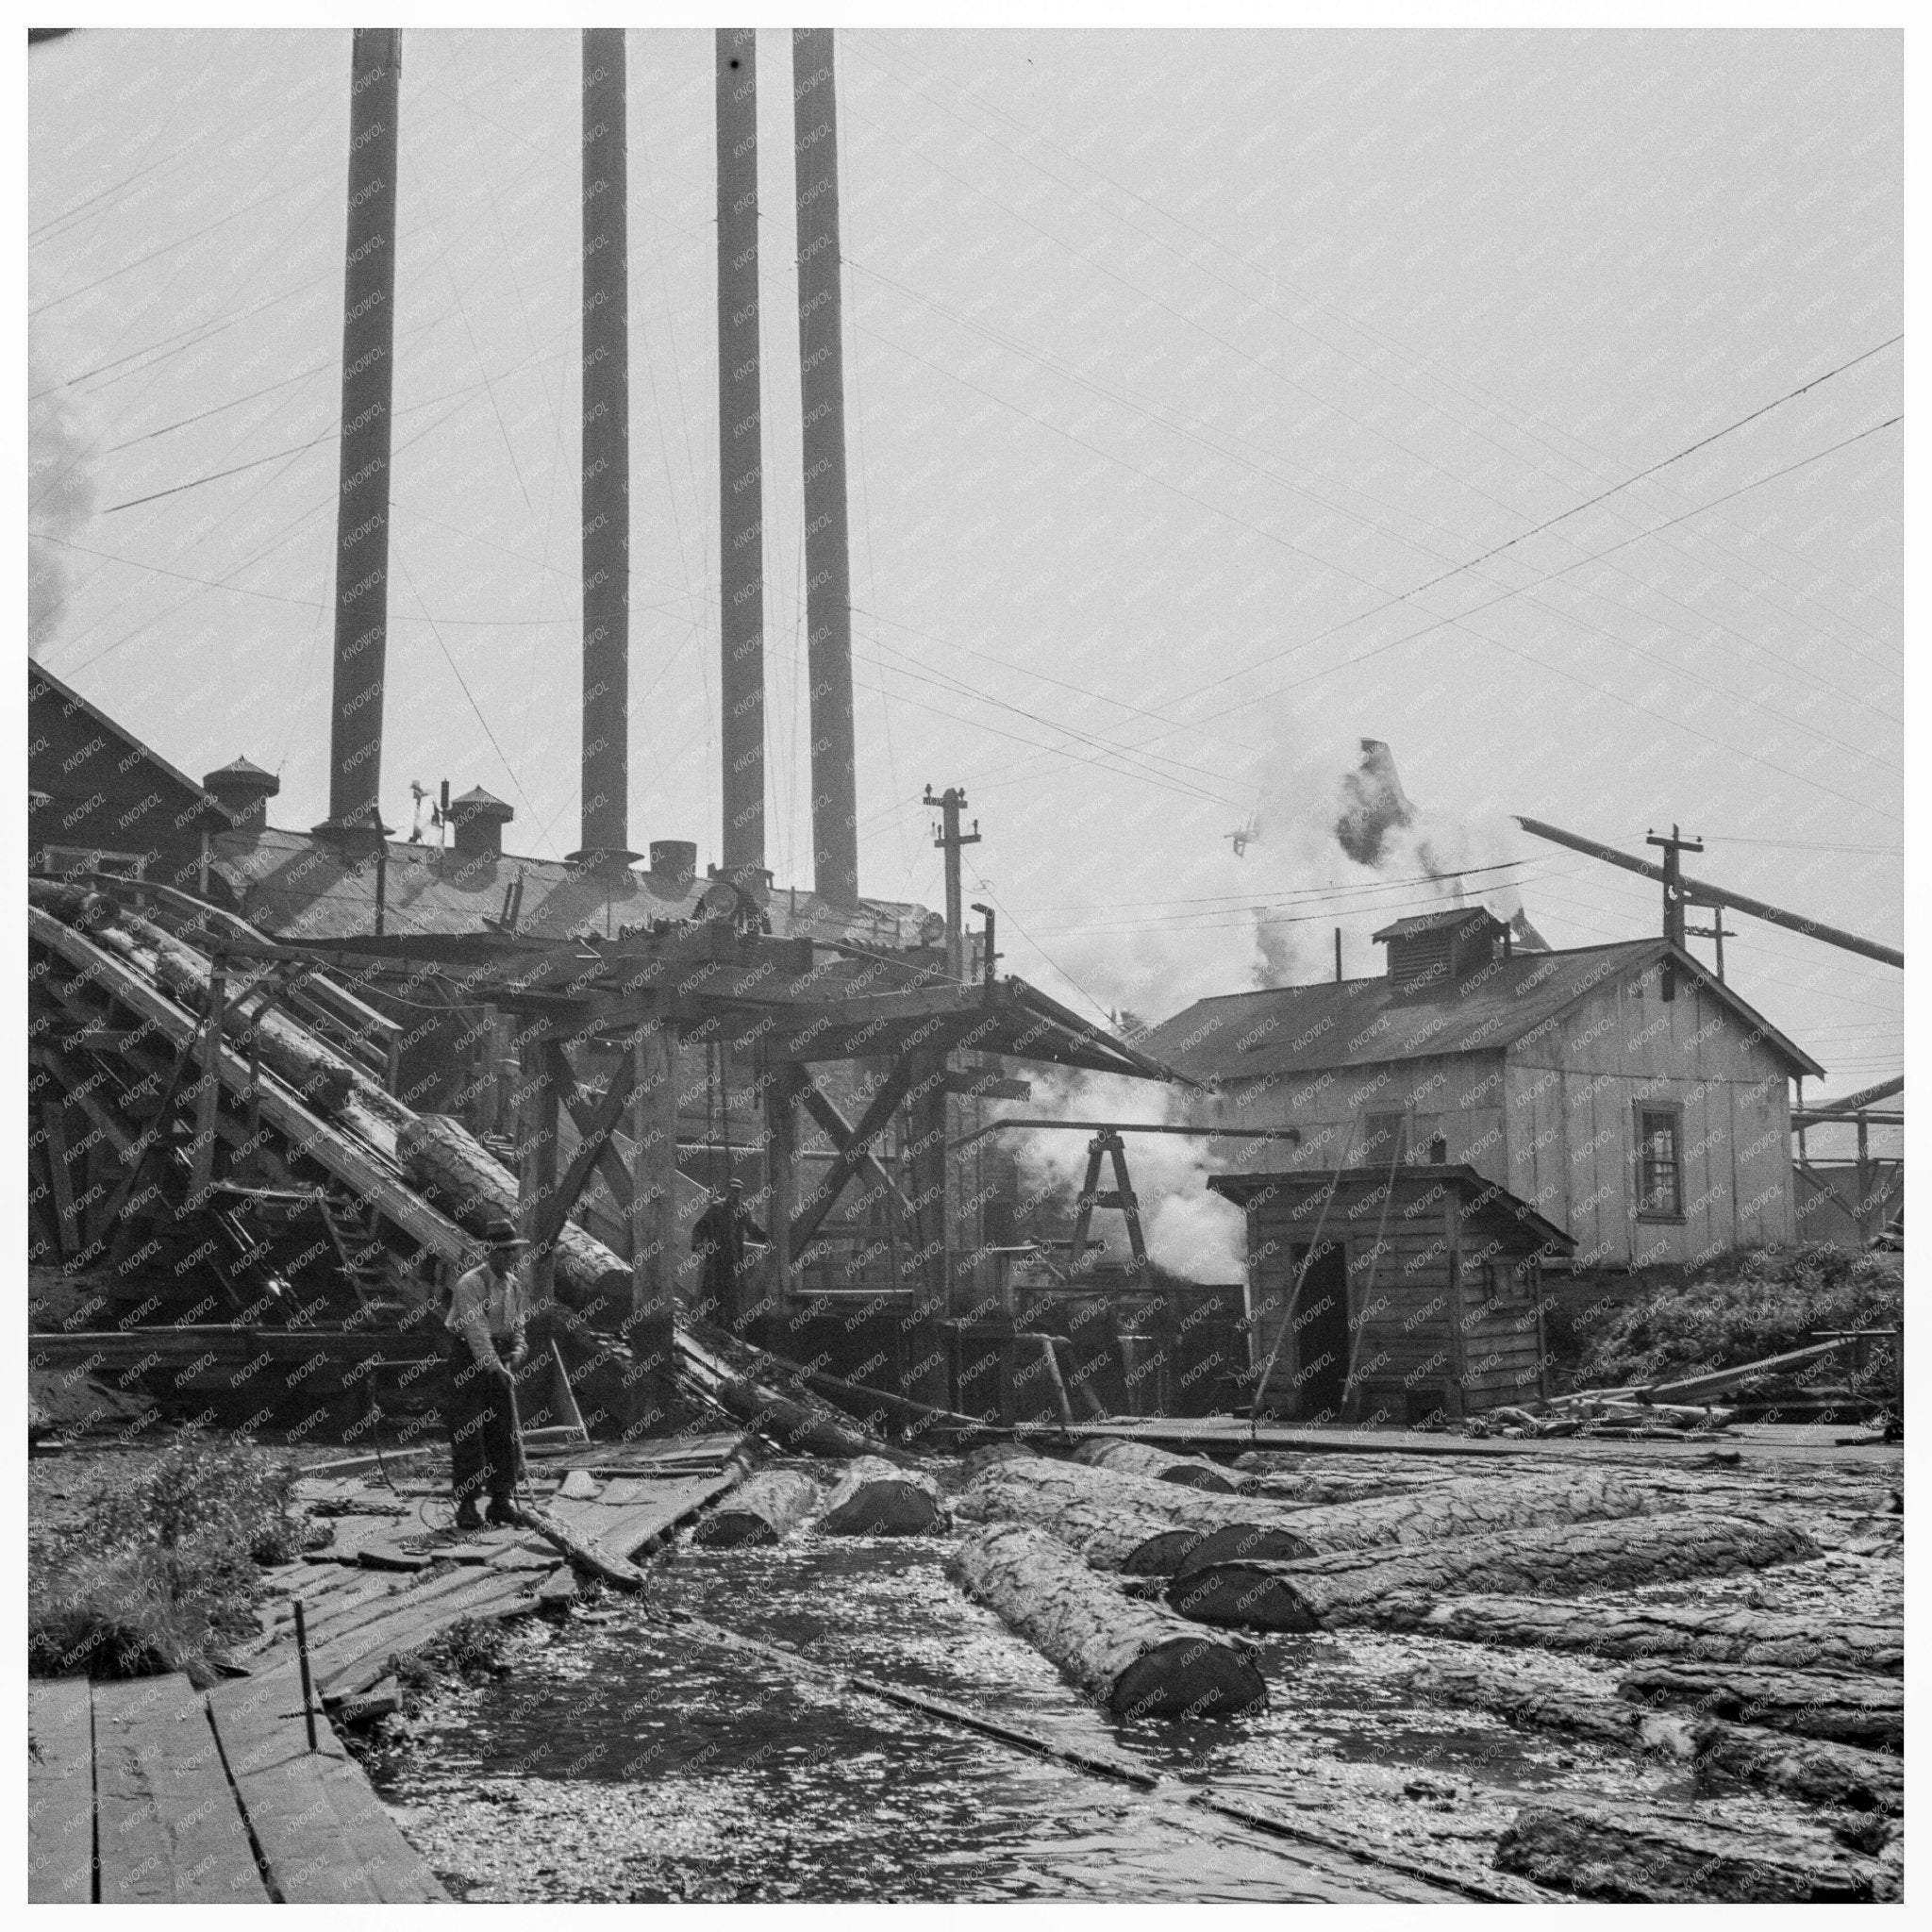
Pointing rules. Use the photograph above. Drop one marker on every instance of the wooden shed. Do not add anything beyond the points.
(1419, 1291)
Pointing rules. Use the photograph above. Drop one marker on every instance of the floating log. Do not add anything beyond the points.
(1658, 1856)
(1122, 1522)
(876, 1498)
(983, 1459)
(1846, 1706)
(1463, 1506)
(1140, 1660)
(1156, 1465)
(766, 1509)
(1810, 1769)
(1324, 1592)
(1717, 1634)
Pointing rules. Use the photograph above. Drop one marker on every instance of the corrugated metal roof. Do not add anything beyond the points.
(299, 887)
(1359, 1022)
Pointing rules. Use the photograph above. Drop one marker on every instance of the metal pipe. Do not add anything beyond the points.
(1698, 892)
(605, 380)
(827, 548)
(741, 470)
(369, 285)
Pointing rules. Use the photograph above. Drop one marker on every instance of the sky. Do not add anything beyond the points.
(1215, 400)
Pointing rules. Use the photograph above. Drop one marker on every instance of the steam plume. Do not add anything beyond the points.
(61, 499)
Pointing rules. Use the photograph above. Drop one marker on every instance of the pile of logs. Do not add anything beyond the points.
(1159, 1465)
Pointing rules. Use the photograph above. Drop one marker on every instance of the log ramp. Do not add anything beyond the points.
(1662, 1855)
(1326, 1592)
(1137, 1660)
(764, 1510)
(876, 1498)
(1845, 1706)
(1127, 1458)
(1844, 1776)
(1719, 1634)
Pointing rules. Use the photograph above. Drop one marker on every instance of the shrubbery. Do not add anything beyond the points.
(1748, 1304)
(158, 1572)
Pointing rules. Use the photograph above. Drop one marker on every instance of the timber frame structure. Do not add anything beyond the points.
(224, 1074)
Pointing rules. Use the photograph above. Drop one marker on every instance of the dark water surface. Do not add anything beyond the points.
(623, 1759)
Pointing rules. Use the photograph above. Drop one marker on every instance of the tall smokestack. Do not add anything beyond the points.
(355, 773)
(606, 460)
(827, 560)
(741, 472)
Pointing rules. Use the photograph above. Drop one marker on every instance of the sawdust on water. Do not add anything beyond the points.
(623, 1759)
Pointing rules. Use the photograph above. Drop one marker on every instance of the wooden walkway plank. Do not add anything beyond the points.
(359, 1657)
(168, 1827)
(633, 1512)
(61, 1793)
(323, 1834)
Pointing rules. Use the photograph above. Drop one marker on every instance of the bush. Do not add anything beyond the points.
(156, 1574)
(1748, 1304)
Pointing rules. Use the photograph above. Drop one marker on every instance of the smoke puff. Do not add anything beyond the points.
(61, 499)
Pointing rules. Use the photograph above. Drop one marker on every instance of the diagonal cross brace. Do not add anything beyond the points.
(855, 1153)
(595, 1122)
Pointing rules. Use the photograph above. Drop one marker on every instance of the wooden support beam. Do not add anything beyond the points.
(853, 1155)
(781, 1080)
(653, 1185)
(54, 1130)
(595, 1125)
(536, 1158)
(207, 1099)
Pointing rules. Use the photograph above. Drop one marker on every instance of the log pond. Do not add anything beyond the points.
(624, 1758)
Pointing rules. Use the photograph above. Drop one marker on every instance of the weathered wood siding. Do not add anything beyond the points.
(1460, 1096)
(1398, 1291)
(1572, 1093)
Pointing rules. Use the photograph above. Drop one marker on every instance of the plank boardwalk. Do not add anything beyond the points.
(150, 1792)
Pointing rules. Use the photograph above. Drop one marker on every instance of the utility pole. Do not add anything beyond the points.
(1673, 849)
(1716, 930)
(951, 801)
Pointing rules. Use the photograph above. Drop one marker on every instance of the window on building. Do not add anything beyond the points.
(1431, 1143)
(1661, 1160)
(1385, 1140)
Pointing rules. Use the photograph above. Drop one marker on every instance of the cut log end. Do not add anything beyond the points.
(1239, 1596)
(1187, 1677)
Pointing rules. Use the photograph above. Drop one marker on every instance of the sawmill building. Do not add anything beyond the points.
(1622, 1092)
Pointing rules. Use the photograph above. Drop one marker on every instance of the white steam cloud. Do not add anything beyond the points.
(1190, 1232)
(61, 499)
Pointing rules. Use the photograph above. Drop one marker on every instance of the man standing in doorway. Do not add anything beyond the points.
(486, 1321)
(720, 1237)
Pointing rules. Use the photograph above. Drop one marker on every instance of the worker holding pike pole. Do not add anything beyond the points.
(487, 1322)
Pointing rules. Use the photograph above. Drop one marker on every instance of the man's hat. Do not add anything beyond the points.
(503, 1234)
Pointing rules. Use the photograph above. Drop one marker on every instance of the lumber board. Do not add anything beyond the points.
(169, 1829)
(633, 1512)
(324, 1835)
(60, 1793)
